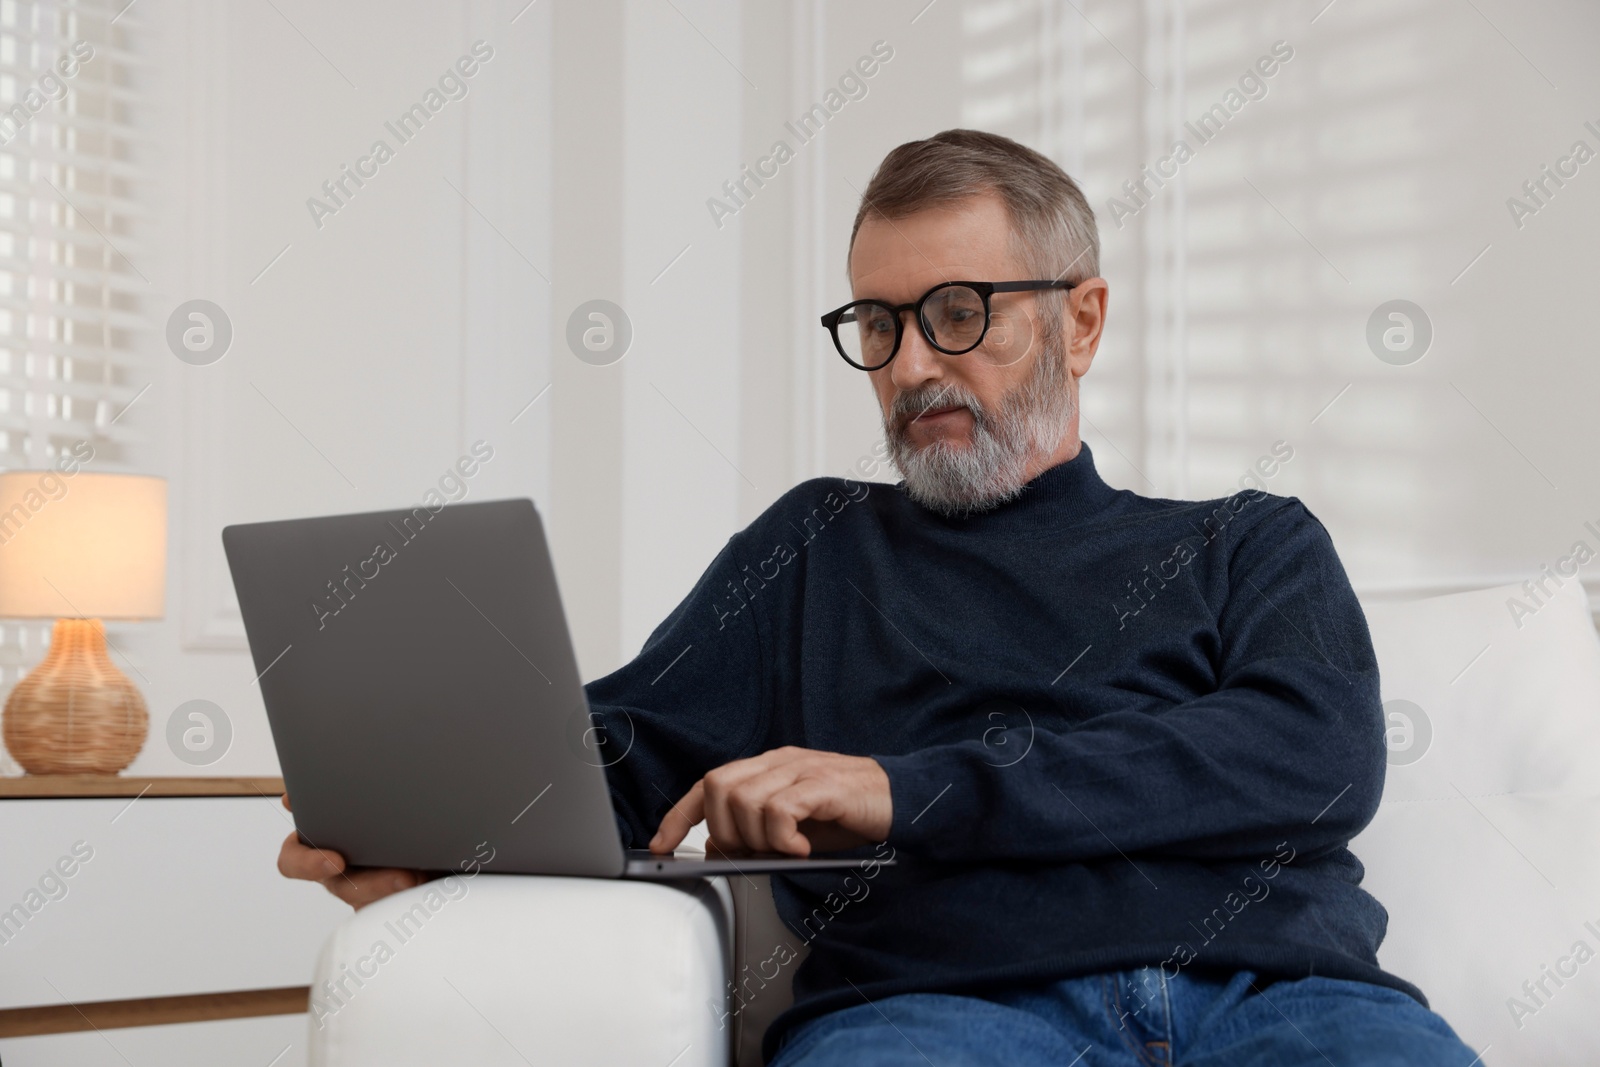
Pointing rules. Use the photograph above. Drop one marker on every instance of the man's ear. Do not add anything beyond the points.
(1086, 318)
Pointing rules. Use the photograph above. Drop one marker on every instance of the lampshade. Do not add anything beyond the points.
(88, 545)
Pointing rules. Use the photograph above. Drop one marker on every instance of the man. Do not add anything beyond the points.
(1117, 744)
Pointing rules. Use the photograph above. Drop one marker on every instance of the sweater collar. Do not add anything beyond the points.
(1064, 495)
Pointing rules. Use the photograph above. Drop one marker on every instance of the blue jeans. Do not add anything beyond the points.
(1138, 1018)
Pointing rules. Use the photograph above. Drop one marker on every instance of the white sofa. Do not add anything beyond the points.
(1486, 851)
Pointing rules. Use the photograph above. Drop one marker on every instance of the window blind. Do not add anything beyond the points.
(69, 298)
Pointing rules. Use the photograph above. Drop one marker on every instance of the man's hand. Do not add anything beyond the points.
(357, 888)
(790, 800)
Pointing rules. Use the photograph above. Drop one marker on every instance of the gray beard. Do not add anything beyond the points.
(957, 480)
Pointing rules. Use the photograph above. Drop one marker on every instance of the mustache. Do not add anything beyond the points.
(908, 405)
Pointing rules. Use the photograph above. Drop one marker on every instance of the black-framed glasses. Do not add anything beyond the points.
(954, 317)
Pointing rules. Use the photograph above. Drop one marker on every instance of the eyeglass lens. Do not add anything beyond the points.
(953, 319)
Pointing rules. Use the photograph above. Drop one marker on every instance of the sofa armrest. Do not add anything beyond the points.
(506, 970)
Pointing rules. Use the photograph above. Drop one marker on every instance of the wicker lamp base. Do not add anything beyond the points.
(75, 713)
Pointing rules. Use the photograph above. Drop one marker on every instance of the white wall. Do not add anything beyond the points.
(682, 474)
(380, 345)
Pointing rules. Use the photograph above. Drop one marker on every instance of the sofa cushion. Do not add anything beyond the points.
(1511, 704)
(1486, 847)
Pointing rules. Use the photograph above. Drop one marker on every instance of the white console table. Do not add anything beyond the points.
(176, 924)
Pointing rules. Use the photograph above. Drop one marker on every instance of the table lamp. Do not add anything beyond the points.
(79, 549)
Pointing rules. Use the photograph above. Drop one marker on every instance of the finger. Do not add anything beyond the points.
(739, 826)
(680, 819)
(722, 823)
(298, 860)
(359, 888)
(743, 810)
(286, 806)
(786, 809)
(748, 800)
(719, 824)
(362, 886)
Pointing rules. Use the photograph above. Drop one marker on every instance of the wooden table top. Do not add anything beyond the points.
(61, 786)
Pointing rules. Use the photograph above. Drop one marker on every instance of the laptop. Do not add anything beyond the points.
(425, 701)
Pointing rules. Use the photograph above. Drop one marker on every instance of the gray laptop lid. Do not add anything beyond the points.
(415, 666)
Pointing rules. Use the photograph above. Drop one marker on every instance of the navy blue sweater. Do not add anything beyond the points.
(1118, 731)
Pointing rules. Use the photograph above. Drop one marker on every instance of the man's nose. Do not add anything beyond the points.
(917, 361)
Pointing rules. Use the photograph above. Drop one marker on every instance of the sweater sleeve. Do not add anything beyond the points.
(694, 698)
(1289, 746)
